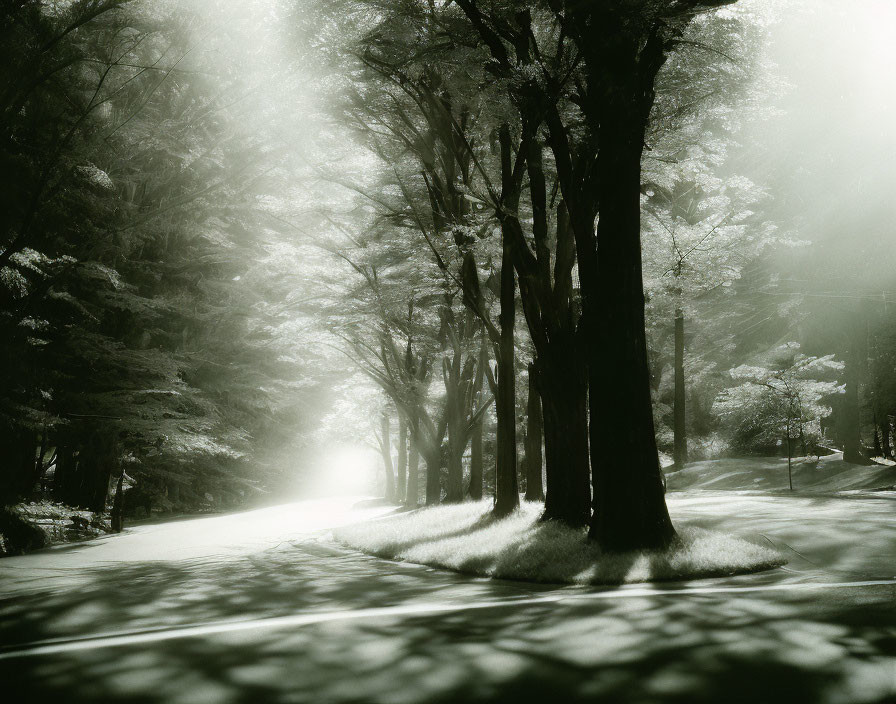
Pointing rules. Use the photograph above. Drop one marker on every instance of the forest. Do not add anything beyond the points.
(196, 298)
(574, 261)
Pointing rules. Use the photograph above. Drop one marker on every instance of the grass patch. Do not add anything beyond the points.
(822, 475)
(465, 538)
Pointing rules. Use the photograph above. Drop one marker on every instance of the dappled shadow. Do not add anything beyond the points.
(708, 648)
(828, 475)
(522, 547)
(274, 582)
(845, 537)
(498, 641)
(541, 543)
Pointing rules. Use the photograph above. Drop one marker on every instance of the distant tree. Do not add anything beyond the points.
(702, 221)
(698, 239)
(784, 400)
(400, 106)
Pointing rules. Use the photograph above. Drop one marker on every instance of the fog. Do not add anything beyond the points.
(819, 140)
(458, 350)
(826, 150)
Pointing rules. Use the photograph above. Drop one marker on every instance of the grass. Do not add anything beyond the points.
(465, 538)
(821, 475)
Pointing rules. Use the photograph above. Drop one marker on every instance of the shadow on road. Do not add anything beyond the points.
(756, 647)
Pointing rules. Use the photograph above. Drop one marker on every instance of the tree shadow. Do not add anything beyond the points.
(585, 644)
(849, 537)
(661, 647)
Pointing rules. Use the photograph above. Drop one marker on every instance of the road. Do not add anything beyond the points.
(262, 607)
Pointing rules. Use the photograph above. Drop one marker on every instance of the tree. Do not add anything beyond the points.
(703, 222)
(384, 438)
(455, 126)
(403, 106)
(699, 237)
(782, 400)
(618, 49)
(534, 435)
(135, 336)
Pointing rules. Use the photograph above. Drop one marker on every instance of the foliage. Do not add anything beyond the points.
(130, 308)
(784, 399)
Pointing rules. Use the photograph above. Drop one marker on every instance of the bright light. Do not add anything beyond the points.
(347, 469)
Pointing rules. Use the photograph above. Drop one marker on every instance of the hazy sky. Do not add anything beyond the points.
(830, 151)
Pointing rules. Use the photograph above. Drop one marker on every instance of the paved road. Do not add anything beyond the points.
(260, 606)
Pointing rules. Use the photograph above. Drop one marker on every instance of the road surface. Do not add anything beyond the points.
(262, 607)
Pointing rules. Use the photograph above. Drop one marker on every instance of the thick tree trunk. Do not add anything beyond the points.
(560, 370)
(680, 448)
(458, 372)
(564, 402)
(629, 504)
(402, 461)
(413, 492)
(83, 481)
(17, 454)
(507, 497)
(386, 451)
(534, 434)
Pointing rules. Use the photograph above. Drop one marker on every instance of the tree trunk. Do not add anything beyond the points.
(559, 373)
(789, 442)
(117, 517)
(402, 463)
(564, 402)
(386, 451)
(413, 491)
(433, 461)
(850, 424)
(83, 480)
(17, 476)
(97, 465)
(680, 448)
(39, 461)
(456, 441)
(475, 489)
(629, 505)
(44, 479)
(884, 425)
(534, 434)
(62, 476)
(507, 497)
